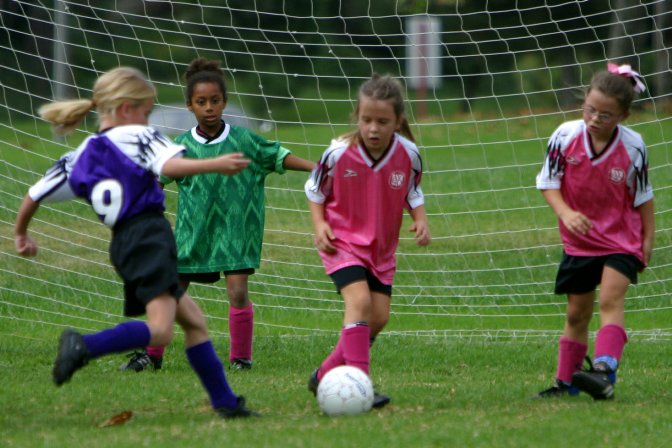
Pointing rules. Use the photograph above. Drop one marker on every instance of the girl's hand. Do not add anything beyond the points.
(25, 245)
(647, 249)
(576, 222)
(230, 163)
(323, 238)
(422, 236)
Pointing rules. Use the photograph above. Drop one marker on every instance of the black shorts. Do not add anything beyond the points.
(211, 277)
(144, 253)
(579, 275)
(351, 274)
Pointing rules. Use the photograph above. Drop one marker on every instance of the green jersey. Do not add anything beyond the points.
(220, 219)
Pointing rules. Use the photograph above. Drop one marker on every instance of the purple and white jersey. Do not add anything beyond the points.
(115, 171)
(607, 188)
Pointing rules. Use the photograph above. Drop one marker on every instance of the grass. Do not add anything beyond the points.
(472, 335)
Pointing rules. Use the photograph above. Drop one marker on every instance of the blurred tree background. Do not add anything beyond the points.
(279, 50)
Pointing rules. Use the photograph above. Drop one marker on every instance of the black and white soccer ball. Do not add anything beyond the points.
(345, 390)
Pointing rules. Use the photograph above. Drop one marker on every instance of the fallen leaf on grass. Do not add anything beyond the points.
(118, 419)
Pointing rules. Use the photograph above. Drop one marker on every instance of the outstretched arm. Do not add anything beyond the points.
(227, 164)
(23, 243)
(294, 163)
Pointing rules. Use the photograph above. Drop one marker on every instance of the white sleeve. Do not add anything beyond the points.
(54, 185)
(415, 197)
(550, 176)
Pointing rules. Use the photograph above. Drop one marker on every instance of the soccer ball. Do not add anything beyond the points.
(345, 390)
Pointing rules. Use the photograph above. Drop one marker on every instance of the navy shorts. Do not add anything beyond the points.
(579, 275)
(210, 277)
(144, 253)
(351, 274)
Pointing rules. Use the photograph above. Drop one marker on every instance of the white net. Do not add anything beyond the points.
(486, 83)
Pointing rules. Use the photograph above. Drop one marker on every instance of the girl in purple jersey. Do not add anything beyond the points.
(115, 170)
(357, 196)
(595, 178)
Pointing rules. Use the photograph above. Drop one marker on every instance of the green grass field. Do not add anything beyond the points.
(472, 338)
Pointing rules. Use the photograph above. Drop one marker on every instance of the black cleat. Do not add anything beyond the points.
(595, 382)
(558, 390)
(379, 400)
(72, 356)
(241, 364)
(240, 411)
(313, 382)
(140, 361)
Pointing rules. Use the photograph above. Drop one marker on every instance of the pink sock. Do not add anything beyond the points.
(241, 327)
(610, 341)
(356, 346)
(156, 352)
(334, 359)
(570, 357)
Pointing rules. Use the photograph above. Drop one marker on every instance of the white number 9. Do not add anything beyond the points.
(106, 199)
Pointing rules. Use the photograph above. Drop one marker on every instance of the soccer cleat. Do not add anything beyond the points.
(241, 364)
(595, 382)
(559, 389)
(72, 356)
(313, 382)
(140, 360)
(240, 411)
(379, 400)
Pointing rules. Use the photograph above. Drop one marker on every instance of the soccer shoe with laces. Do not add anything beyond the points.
(559, 389)
(596, 381)
(141, 360)
(241, 364)
(72, 356)
(240, 411)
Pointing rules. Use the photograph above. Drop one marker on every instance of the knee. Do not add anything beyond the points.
(578, 317)
(161, 334)
(238, 296)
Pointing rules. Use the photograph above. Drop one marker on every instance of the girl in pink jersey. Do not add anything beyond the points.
(357, 195)
(595, 178)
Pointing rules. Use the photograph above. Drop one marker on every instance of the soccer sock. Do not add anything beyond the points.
(334, 359)
(155, 352)
(241, 328)
(209, 368)
(356, 345)
(609, 344)
(125, 336)
(570, 357)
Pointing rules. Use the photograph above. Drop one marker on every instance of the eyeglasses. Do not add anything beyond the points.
(601, 116)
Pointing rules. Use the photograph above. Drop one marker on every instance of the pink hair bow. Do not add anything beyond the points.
(628, 72)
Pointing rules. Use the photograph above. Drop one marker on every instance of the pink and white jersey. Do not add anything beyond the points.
(607, 188)
(364, 201)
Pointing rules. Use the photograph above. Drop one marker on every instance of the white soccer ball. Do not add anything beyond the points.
(345, 390)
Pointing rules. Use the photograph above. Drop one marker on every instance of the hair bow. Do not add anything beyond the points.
(628, 72)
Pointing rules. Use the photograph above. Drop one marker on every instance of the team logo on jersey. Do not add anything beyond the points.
(616, 175)
(397, 180)
(572, 160)
(350, 173)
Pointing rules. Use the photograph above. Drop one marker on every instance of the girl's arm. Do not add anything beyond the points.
(23, 243)
(292, 162)
(227, 164)
(648, 229)
(323, 233)
(420, 226)
(576, 222)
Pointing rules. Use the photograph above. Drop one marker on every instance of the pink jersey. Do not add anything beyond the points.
(364, 201)
(607, 188)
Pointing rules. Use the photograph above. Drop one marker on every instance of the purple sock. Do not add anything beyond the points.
(125, 336)
(209, 368)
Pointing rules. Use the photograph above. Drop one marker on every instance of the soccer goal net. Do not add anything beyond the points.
(485, 82)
